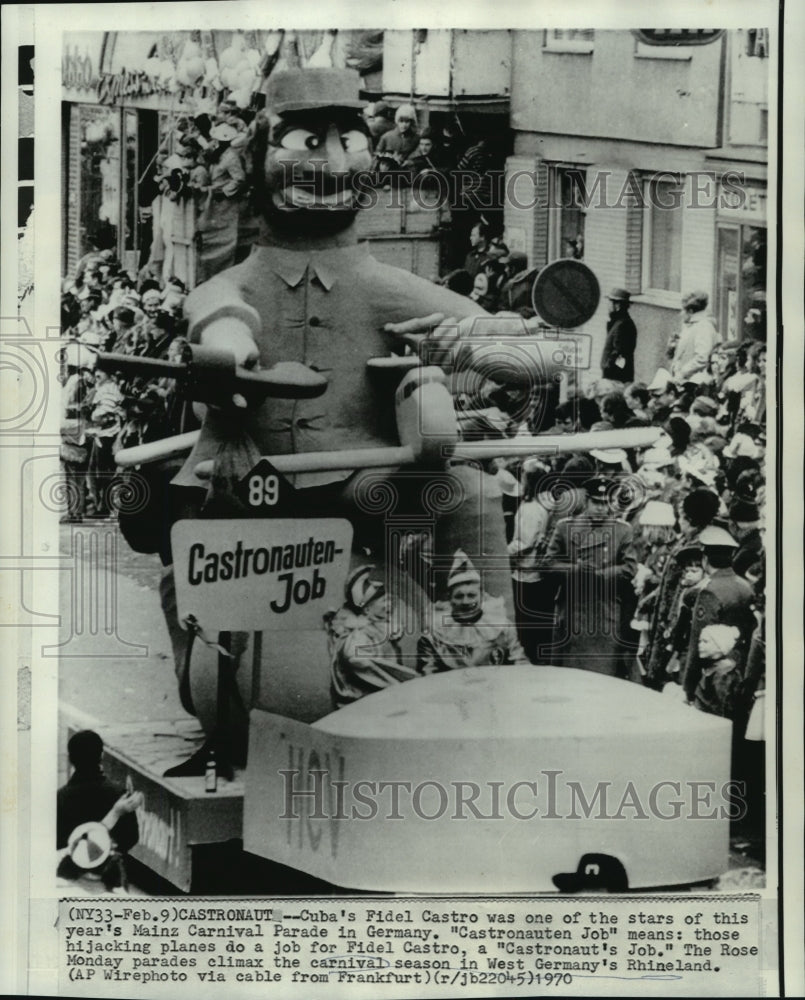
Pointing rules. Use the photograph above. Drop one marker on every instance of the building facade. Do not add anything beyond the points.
(650, 163)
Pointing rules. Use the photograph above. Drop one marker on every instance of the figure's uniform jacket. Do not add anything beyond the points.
(325, 309)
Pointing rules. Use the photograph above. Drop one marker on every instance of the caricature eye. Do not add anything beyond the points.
(355, 141)
(300, 139)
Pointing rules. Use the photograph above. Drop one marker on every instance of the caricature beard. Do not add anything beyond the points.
(308, 222)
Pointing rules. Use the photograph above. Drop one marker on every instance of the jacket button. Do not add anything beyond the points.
(314, 321)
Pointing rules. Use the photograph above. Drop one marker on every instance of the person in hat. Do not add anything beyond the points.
(697, 338)
(89, 796)
(662, 395)
(470, 629)
(365, 654)
(309, 294)
(593, 562)
(745, 527)
(617, 358)
(218, 219)
(725, 599)
(713, 683)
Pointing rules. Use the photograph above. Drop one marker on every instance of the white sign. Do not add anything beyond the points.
(744, 203)
(255, 574)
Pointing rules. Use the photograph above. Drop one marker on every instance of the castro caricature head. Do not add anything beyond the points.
(309, 146)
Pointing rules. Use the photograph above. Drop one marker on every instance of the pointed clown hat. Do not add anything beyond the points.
(462, 570)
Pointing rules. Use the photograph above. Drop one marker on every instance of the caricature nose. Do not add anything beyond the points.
(336, 156)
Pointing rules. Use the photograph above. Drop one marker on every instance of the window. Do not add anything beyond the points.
(568, 202)
(662, 234)
(741, 306)
(748, 88)
(579, 40)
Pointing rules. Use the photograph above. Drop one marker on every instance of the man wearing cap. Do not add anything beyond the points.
(594, 562)
(725, 599)
(617, 358)
(310, 294)
(662, 395)
(470, 629)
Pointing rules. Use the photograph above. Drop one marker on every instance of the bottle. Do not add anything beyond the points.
(211, 774)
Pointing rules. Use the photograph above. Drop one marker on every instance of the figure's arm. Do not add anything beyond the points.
(219, 318)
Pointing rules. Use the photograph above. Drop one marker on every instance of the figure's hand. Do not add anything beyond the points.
(497, 347)
(413, 331)
(234, 337)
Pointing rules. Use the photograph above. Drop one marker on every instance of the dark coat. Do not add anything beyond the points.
(620, 343)
(594, 563)
(88, 798)
(725, 600)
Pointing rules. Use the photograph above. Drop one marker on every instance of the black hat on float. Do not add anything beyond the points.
(595, 872)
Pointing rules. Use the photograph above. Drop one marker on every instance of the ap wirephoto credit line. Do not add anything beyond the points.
(410, 423)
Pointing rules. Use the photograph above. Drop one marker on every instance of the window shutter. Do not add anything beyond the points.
(73, 199)
(634, 240)
(540, 258)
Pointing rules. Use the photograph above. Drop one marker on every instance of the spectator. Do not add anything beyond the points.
(718, 679)
(89, 797)
(697, 339)
(470, 629)
(617, 358)
(593, 562)
(395, 146)
(725, 599)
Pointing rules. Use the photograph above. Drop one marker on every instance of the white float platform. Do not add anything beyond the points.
(492, 727)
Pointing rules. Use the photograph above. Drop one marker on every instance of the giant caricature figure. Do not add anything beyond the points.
(310, 294)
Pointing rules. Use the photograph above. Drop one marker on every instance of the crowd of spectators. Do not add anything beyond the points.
(105, 309)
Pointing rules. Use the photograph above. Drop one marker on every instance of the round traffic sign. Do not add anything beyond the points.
(566, 293)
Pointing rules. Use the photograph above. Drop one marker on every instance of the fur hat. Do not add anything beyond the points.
(723, 637)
